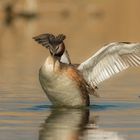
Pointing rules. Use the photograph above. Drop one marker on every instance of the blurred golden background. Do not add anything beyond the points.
(88, 25)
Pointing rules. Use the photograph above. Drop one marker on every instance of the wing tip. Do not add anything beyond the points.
(49, 39)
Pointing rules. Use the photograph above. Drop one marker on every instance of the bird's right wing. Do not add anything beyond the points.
(111, 59)
(44, 39)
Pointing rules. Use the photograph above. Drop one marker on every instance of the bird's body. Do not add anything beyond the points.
(70, 85)
(63, 84)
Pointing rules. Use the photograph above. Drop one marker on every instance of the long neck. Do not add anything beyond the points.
(52, 64)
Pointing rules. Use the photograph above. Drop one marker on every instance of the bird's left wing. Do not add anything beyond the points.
(111, 59)
(48, 39)
(65, 58)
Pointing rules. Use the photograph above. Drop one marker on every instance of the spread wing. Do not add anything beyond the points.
(111, 59)
(48, 39)
(44, 39)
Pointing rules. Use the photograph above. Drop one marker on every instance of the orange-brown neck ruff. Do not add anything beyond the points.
(81, 83)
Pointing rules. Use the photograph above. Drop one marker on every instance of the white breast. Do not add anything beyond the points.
(60, 89)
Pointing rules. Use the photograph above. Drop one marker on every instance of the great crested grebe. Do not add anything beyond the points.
(69, 85)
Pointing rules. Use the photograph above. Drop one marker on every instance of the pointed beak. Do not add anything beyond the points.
(52, 50)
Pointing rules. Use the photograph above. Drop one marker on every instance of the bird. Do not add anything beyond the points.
(69, 85)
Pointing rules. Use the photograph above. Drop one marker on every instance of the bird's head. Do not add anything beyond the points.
(55, 44)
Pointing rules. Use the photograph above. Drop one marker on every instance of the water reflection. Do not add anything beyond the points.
(64, 124)
(74, 124)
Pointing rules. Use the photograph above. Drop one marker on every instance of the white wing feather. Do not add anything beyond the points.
(111, 59)
(65, 58)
